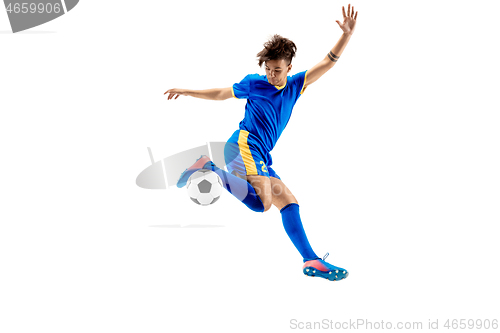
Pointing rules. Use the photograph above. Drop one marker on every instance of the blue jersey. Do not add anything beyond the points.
(268, 107)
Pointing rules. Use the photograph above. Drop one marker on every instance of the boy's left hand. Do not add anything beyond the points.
(349, 20)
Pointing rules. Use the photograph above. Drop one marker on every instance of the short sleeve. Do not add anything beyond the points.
(242, 90)
(300, 81)
(304, 83)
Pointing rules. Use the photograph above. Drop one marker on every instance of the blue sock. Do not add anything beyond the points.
(240, 188)
(295, 230)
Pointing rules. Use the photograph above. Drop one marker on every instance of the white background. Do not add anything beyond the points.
(393, 156)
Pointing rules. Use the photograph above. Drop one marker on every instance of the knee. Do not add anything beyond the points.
(258, 203)
(267, 202)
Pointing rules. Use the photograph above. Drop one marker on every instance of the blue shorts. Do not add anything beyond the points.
(244, 155)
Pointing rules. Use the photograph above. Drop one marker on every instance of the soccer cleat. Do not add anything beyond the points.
(319, 267)
(199, 164)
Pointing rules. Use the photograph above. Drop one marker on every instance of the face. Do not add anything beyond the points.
(276, 71)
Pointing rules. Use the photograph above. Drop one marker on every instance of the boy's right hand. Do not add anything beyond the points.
(174, 93)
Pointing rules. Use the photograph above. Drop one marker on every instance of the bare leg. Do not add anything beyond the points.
(282, 196)
(262, 186)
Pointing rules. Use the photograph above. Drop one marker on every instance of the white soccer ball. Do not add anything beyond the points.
(204, 187)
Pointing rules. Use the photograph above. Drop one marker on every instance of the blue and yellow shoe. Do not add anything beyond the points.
(199, 164)
(319, 267)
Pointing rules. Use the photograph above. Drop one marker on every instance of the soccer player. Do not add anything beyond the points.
(270, 100)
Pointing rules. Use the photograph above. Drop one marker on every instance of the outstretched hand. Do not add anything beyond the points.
(174, 93)
(349, 20)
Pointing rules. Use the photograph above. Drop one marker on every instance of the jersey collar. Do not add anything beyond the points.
(277, 87)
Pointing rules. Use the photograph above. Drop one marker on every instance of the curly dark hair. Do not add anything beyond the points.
(277, 48)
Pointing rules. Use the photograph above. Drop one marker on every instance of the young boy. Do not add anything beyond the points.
(270, 100)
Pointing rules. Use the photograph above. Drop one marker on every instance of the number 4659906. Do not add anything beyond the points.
(34, 8)
(471, 324)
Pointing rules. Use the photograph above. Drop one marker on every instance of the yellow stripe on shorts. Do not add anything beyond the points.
(246, 154)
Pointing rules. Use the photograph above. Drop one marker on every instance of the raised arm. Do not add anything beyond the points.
(324, 66)
(217, 94)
